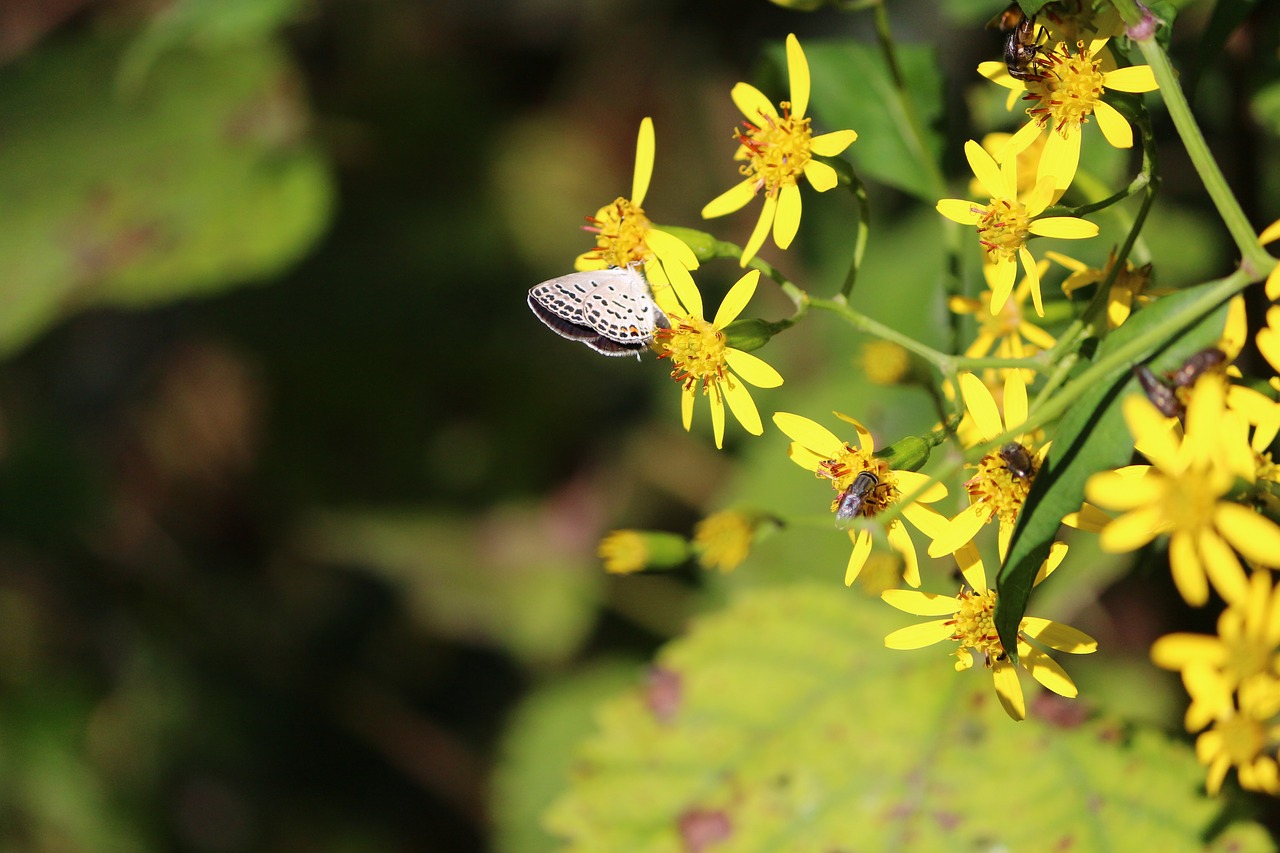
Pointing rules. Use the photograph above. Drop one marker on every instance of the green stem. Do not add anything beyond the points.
(947, 364)
(859, 191)
(1206, 166)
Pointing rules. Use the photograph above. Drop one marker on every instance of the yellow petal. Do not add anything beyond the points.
(1055, 635)
(1125, 488)
(970, 563)
(686, 408)
(921, 603)
(798, 70)
(960, 210)
(717, 416)
(809, 434)
(1033, 277)
(786, 222)
(1188, 574)
(831, 144)
(987, 171)
(730, 200)
(1273, 283)
(737, 298)
(858, 559)
(743, 407)
(644, 162)
(960, 530)
(670, 249)
(1015, 400)
(998, 72)
(685, 290)
(1138, 78)
(928, 521)
(1046, 670)
(820, 176)
(1064, 228)
(1132, 530)
(1004, 274)
(804, 457)
(1150, 429)
(919, 636)
(1253, 535)
(981, 405)
(752, 369)
(910, 482)
(1114, 126)
(1270, 233)
(1177, 651)
(1088, 518)
(900, 540)
(1008, 690)
(754, 105)
(763, 224)
(1022, 140)
(1221, 566)
(1060, 159)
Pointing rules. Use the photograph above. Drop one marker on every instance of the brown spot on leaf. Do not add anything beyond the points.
(662, 693)
(700, 829)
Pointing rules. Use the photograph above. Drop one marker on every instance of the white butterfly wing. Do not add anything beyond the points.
(622, 309)
(609, 310)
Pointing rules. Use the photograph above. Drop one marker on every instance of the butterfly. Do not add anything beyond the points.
(609, 310)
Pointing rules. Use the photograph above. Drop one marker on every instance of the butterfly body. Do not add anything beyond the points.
(610, 310)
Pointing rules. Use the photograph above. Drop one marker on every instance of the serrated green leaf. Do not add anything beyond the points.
(793, 728)
(853, 89)
(200, 180)
(1091, 437)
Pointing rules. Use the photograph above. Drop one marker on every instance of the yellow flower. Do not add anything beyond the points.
(1245, 649)
(701, 358)
(970, 623)
(778, 148)
(849, 469)
(1067, 90)
(1004, 477)
(1182, 494)
(722, 540)
(625, 552)
(624, 234)
(1268, 339)
(996, 144)
(1128, 289)
(1004, 333)
(1246, 739)
(885, 363)
(1008, 221)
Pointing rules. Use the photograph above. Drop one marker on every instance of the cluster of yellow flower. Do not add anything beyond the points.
(1210, 473)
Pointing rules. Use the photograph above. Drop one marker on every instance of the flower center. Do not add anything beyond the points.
(776, 150)
(845, 468)
(975, 625)
(1003, 480)
(1243, 738)
(620, 229)
(1189, 501)
(696, 348)
(1004, 228)
(1067, 89)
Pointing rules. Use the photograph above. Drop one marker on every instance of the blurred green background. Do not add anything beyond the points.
(297, 498)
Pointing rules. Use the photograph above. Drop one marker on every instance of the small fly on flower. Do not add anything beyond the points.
(853, 498)
(1197, 365)
(1018, 460)
(1021, 48)
(1163, 393)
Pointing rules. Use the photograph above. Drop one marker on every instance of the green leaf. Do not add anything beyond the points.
(1091, 437)
(852, 88)
(199, 180)
(536, 754)
(786, 725)
(504, 580)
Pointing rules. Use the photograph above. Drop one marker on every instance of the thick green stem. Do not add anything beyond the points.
(1206, 166)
